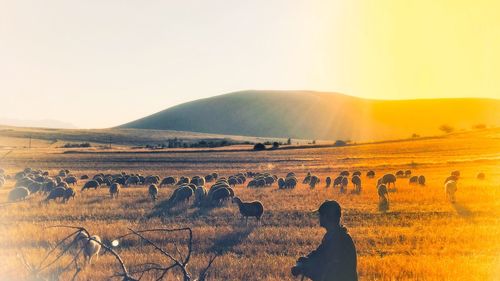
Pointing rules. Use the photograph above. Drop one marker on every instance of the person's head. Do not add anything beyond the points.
(329, 214)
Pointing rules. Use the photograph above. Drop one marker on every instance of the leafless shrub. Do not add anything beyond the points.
(52, 266)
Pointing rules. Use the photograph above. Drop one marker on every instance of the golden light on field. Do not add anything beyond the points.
(422, 237)
(390, 90)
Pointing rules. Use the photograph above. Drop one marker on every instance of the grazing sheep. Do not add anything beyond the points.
(133, 180)
(63, 184)
(356, 181)
(400, 174)
(181, 194)
(357, 173)
(232, 181)
(249, 209)
(313, 181)
(182, 181)
(18, 193)
(35, 185)
(269, 180)
(57, 192)
(451, 178)
(481, 176)
(168, 181)
(341, 182)
(19, 175)
(114, 190)
(84, 177)
(387, 179)
(456, 174)
(307, 178)
(383, 202)
(220, 195)
(209, 178)
(99, 179)
(200, 195)
(370, 174)
(252, 183)
(90, 184)
(337, 181)
(281, 183)
(450, 189)
(407, 173)
(49, 186)
(291, 182)
(345, 173)
(153, 192)
(68, 194)
(328, 181)
(152, 180)
(413, 180)
(119, 180)
(92, 248)
(71, 180)
(198, 181)
(421, 180)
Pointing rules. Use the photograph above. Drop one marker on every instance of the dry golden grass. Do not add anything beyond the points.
(422, 237)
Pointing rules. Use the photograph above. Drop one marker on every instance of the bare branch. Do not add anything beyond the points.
(60, 254)
(178, 252)
(204, 272)
(125, 273)
(156, 247)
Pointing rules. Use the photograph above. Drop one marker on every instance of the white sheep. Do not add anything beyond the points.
(450, 188)
(90, 246)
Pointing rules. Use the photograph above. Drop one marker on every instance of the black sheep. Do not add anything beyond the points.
(250, 209)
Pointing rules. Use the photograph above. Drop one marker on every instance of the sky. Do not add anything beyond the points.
(97, 64)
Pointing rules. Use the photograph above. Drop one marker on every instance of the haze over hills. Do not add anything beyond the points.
(45, 123)
(320, 115)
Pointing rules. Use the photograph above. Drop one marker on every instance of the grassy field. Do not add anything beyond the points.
(422, 237)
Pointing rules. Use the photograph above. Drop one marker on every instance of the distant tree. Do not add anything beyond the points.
(340, 143)
(415, 135)
(259, 146)
(314, 142)
(73, 145)
(446, 128)
(289, 141)
(276, 145)
(479, 126)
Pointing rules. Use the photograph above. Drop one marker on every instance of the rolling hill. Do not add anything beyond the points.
(320, 115)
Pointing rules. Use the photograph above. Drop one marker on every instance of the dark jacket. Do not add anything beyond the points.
(334, 259)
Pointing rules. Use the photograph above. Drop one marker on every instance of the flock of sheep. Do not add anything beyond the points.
(208, 191)
(62, 187)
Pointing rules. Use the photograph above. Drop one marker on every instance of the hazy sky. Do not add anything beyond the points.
(102, 63)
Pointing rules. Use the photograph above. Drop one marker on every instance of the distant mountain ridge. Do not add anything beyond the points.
(320, 115)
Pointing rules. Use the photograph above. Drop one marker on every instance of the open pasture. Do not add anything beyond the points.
(422, 237)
